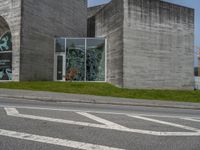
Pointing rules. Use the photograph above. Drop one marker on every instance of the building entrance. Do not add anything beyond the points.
(80, 59)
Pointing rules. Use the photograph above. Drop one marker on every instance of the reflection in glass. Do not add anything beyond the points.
(5, 66)
(6, 56)
(95, 60)
(60, 45)
(85, 59)
(75, 60)
(6, 42)
(59, 67)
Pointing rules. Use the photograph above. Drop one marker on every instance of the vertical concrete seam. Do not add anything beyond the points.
(21, 36)
(123, 18)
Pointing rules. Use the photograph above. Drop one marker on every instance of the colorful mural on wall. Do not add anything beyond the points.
(6, 56)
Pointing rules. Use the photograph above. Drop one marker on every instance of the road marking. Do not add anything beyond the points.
(91, 111)
(101, 120)
(13, 112)
(54, 141)
(165, 123)
(191, 119)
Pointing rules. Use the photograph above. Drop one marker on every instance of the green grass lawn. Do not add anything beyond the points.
(105, 89)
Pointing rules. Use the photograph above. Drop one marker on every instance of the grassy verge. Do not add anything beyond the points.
(105, 89)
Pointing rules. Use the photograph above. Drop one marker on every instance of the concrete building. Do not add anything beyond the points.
(150, 43)
(33, 25)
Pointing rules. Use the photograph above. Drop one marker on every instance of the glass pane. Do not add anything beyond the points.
(95, 60)
(60, 45)
(6, 42)
(5, 66)
(75, 60)
(59, 67)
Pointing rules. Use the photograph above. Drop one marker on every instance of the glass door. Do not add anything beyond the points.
(60, 67)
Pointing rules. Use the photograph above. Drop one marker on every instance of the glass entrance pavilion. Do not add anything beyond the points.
(80, 59)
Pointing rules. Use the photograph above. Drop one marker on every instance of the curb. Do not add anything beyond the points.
(93, 101)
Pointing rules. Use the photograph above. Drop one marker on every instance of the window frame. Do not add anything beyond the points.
(65, 53)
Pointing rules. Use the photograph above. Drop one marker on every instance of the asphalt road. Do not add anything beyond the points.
(35, 125)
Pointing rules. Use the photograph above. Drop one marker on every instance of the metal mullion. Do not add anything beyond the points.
(3, 52)
(85, 60)
(106, 59)
(55, 68)
(64, 61)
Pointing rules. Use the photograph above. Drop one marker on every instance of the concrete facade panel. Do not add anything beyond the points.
(158, 45)
(42, 20)
(152, 39)
(109, 24)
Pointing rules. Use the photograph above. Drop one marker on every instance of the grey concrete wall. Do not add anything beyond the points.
(10, 10)
(93, 10)
(42, 20)
(158, 45)
(91, 21)
(109, 24)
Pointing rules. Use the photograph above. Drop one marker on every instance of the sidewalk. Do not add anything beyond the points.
(61, 97)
